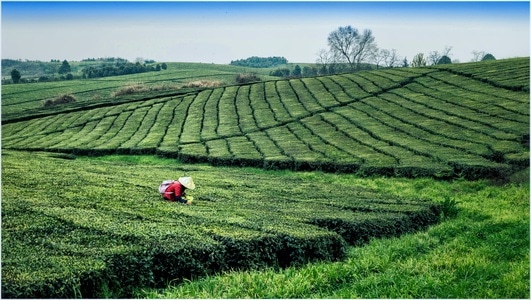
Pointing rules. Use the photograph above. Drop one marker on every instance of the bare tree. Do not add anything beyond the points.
(327, 61)
(324, 58)
(364, 47)
(446, 51)
(391, 59)
(379, 56)
(435, 56)
(387, 58)
(341, 42)
(477, 55)
(349, 46)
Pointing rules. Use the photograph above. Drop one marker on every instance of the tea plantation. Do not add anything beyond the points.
(466, 120)
(76, 225)
(79, 227)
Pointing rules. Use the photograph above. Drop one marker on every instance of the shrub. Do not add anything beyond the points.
(246, 78)
(203, 84)
(142, 88)
(130, 89)
(63, 99)
(62, 243)
(488, 56)
(449, 207)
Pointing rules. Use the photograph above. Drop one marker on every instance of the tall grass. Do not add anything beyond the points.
(481, 252)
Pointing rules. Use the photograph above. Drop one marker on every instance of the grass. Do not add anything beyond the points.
(482, 252)
(105, 214)
(26, 99)
(79, 233)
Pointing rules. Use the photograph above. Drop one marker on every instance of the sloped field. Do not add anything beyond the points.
(23, 101)
(469, 120)
(84, 227)
(81, 227)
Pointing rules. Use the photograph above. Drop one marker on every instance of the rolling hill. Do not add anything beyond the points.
(78, 226)
(464, 120)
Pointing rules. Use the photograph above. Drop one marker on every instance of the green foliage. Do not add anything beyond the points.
(260, 62)
(297, 71)
(511, 74)
(117, 69)
(488, 56)
(29, 68)
(64, 68)
(25, 101)
(444, 60)
(449, 207)
(15, 76)
(94, 225)
(280, 72)
(482, 252)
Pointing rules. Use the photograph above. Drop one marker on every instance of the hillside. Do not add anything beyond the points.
(77, 225)
(469, 120)
(26, 100)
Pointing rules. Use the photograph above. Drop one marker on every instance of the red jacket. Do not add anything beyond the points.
(175, 190)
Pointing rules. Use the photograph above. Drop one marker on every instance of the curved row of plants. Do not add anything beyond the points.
(117, 234)
(403, 122)
(25, 101)
(509, 74)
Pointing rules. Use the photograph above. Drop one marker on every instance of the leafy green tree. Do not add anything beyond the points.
(405, 63)
(444, 60)
(284, 72)
(323, 70)
(15, 76)
(260, 62)
(297, 71)
(309, 71)
(164, 66)
(64, 68)
(488, 56)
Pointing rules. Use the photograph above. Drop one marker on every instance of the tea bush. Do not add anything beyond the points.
(443, 122)
(83, 227)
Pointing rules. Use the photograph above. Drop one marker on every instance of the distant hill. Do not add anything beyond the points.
(33, 71)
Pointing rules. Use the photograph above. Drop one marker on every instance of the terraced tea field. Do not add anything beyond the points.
(77, 225)
(74, 227)
(23, 100)
(466, 120)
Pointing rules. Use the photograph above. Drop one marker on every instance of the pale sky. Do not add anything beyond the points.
(218, 32)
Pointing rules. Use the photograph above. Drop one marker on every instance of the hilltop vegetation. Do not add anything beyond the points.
(444, 122)
(260, 62)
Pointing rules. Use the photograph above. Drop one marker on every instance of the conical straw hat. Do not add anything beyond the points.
(187, 182)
